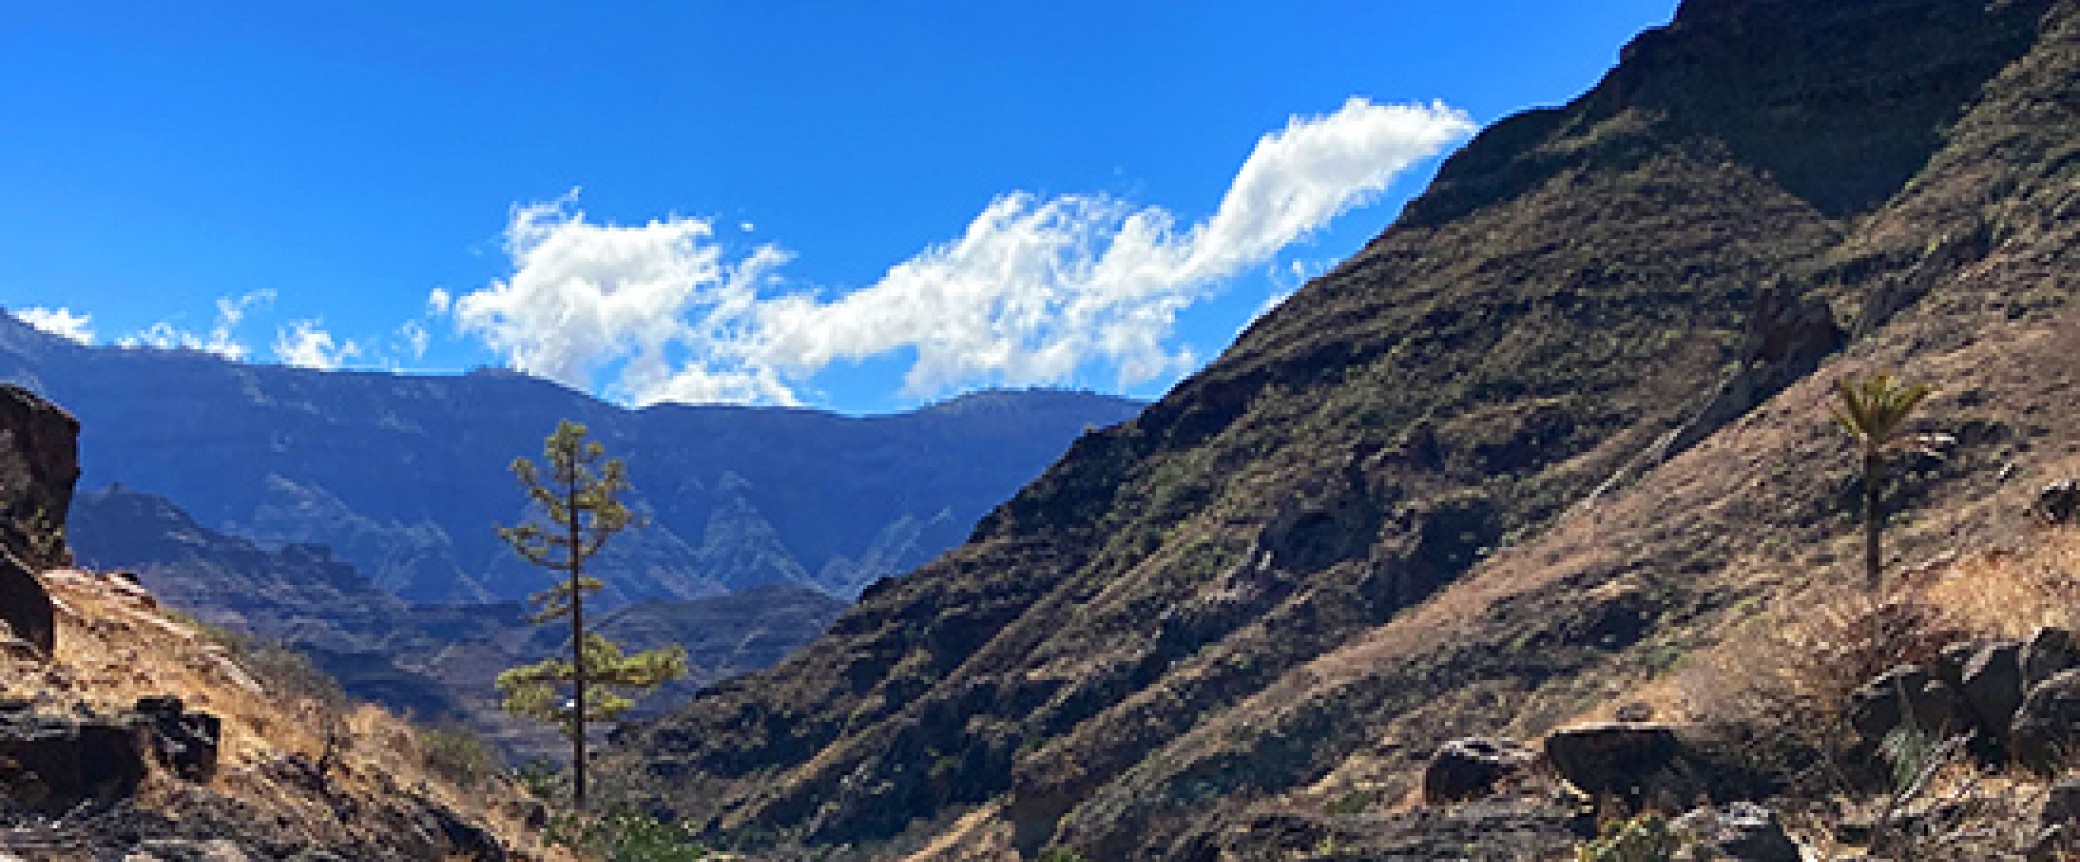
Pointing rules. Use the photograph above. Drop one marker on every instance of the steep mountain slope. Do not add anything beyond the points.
(404, 476)
(432, 661)
(1480, 475)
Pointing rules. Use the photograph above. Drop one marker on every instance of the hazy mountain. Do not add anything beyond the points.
(404, 475)
(1563, 420)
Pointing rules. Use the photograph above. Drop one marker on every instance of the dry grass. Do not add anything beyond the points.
(115, 645)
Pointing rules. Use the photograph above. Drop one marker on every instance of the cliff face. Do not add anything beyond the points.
(404, 476)
(1552, 424)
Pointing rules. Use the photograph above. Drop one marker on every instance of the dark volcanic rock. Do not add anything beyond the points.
(2058, 502)
(39, 463)
(25, 607)
(1470, 768)
(53, 763)
(2051, 651)
(184, 742)
(2047, 725)
(1904, 692)
(1647, 763)
(1993, 684)
(1742, 831)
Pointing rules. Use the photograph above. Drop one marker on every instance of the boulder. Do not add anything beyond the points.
(2051, 650)
(1471, 768)
(2058, 502)
(25, 607)
(186, 850)
(183, 742)
(1993, 684)
(1906, 692)
(1642, 762)
(1741, 831)
(2047, 725)
(39, 464)
(2062, 804)
(54, 762)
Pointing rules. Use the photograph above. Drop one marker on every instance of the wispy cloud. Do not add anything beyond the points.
(220, 339)
(306, 344)
(61, 322)
(1036, 290)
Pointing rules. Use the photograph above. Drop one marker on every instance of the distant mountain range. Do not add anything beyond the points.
(404, 476)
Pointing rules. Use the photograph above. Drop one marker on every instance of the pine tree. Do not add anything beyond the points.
(1873, 412)
(577, 510)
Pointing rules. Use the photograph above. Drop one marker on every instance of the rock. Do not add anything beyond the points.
(1742, 831)
(183, 850)
(2044, 730)
(1993, 684)
(55, 762)
(2058, 502)
(184, 742)
(1906, 692)
(39, 465)
(2062, 804)
(1470, 768)
(25, 606)
(1639, 762)
(465, 840)
(1635, 712)
(2051, 650)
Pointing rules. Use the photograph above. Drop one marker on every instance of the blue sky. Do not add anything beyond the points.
(857, 206)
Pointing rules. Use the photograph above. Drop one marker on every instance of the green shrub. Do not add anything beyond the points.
(1645, 838)
(1061, 854)
(456, 753)
(626, 836)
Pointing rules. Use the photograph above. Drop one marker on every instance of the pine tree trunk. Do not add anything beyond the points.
(577, 659)
(1873, 523)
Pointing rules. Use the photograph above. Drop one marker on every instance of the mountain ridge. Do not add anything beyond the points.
(1387, 515)
(404, 475)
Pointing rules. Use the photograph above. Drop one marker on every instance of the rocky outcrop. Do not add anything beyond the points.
(1644, 763)
(1902, 694)
(1471, 768)
(25, 607)
(2057, 503)
(1742, 831)
(39, 462)
(54, 761)
(2046, 731)
(184, 742)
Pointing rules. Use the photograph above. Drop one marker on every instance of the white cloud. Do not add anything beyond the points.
(61, 322)
(1036, 290)
(306, 344)
(416, 338)
(438, 301)
(221, 339)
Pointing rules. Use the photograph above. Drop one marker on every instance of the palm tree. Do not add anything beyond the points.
(1873, 412)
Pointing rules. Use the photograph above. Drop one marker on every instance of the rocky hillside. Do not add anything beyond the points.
(127, 732)
(1558, 427)
(404, 476)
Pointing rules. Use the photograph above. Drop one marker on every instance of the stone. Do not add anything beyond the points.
(1471, 768)
(1634, 712)
(184, 742)
(2044, 730)
(39, 465)
(2062, 803)
(2058, 502)
(1742, 831)
(25, 606)
(1902, 693)
(2051, 650)
(1643, 762)
(185, 850)
(55, 762)
(1993, 684)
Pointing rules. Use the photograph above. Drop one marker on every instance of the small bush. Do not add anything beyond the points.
(1060, 854)
(626, 836)
(456, 753)
(1644, 838)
